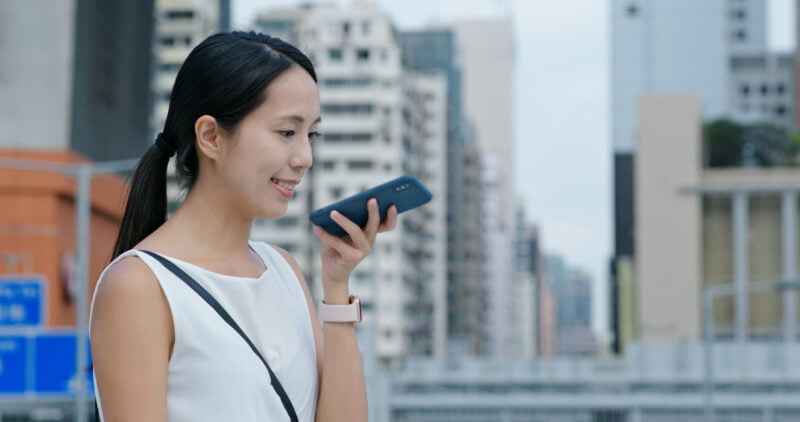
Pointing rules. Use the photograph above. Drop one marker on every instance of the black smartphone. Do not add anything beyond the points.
(405, 192)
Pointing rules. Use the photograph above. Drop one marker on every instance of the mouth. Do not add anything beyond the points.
(285, 187)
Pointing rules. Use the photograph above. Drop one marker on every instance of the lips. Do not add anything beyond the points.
(285, 187)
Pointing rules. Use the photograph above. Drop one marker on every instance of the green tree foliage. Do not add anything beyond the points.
(730, 144)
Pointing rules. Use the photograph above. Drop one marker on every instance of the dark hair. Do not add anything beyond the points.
(225, 77)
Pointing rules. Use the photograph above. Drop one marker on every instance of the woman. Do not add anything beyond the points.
(242, 115)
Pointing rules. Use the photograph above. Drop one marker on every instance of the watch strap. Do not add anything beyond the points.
(341, 313)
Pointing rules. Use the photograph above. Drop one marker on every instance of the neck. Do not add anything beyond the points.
(209, 226)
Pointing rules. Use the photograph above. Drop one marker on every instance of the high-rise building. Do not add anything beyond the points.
(379, 121)
(467, 300)
(524, 288)
(180, 26)
(498, 255)
(486, 48)
(436, 50)
(709, 49)
(75, 76)
(427, 228)
(571, 289)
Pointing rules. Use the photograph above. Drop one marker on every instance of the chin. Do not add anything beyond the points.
(271, 213)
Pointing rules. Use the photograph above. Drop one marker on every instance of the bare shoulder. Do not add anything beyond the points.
(290, 259)
(126, 278)
(129, 291)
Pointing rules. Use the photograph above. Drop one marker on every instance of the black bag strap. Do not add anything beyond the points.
(287, 404)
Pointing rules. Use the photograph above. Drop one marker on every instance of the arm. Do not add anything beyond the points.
(340, 362)
(131, 339)
(343, 394)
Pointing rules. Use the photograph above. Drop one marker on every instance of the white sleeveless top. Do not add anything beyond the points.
(213, 375)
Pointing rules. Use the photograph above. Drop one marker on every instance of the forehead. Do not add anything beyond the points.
(293, 92)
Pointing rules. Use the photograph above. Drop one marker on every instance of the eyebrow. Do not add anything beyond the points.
(299, 119)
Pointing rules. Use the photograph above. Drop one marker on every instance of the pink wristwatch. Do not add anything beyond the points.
(341, 313)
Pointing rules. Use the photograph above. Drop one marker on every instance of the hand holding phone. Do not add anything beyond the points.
(406, 192)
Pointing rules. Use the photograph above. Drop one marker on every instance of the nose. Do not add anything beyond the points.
(301, 158)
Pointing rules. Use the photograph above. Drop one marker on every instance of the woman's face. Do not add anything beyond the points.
(270, 151)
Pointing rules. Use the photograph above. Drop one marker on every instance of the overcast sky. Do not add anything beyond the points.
(562, 128)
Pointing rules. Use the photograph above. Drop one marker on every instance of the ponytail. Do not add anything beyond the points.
(146, 208)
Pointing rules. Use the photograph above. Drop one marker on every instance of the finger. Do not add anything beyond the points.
(374, 219)
(356, 234)
(390, 222)
(345, 250)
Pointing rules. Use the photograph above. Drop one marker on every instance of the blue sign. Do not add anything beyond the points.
(55, 363)
(21, 302)
(42, 363)
(13, 351)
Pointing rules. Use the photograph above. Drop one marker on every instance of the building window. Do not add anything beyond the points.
(384, 55)
(741, 35)
(168, 41)
(359, 165)
(336, 192)
(764, 89)
(362, 55)
(328, 165)
(780, 88)
(347, 108)
(744, 89)
(335, 54)
(346, 28)
(180, 14)
(365, 27)
(632, 10)
(780, 110)
(740, 14)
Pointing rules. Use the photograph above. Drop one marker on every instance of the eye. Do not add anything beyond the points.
(286, 133)
(313, 135)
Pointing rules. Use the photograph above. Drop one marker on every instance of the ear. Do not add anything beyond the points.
(209, 137)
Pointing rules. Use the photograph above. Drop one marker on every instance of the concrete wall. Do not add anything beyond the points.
(667, 221)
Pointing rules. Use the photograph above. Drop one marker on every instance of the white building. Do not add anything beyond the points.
(379, 122)
(486, 48)
(498, 252)
(180, 25)
(429, 225)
